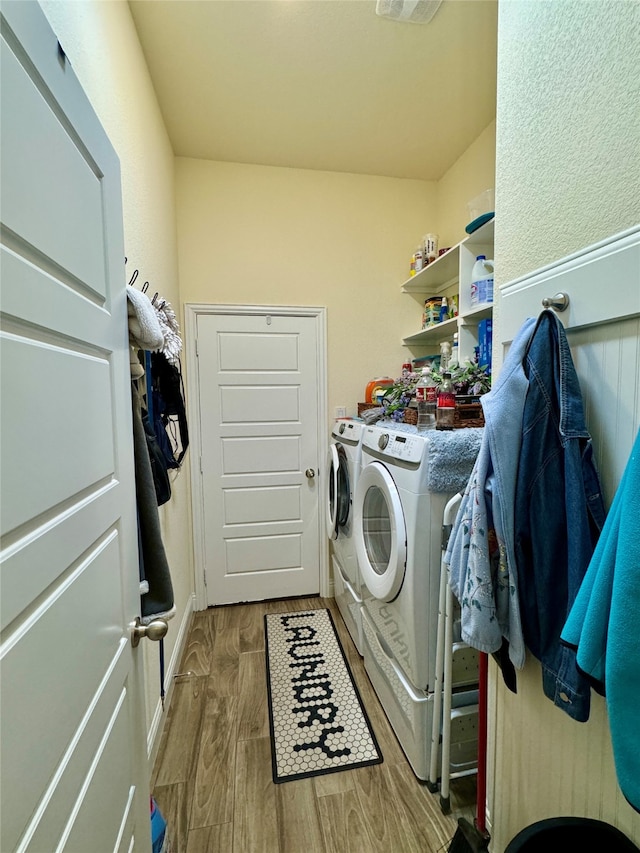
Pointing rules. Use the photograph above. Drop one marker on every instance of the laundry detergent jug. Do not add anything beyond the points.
(376, 387)
(482, 281)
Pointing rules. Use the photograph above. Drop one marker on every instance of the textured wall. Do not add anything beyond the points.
(568, 175)
(102, 45)
(568, 128)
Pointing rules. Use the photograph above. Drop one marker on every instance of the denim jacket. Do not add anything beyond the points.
(559, 511)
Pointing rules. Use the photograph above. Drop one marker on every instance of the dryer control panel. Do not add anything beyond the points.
(403, 446)
(348, 431)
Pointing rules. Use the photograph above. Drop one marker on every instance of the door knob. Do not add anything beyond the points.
(155, 630)
(310, 473)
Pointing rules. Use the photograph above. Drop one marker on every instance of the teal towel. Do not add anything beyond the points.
(603, 625)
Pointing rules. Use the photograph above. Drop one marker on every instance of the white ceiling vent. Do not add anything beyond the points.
(410, 11)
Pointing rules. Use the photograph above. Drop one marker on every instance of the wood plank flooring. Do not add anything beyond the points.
(212, 777)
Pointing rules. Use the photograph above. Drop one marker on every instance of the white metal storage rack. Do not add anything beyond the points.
(454, 735)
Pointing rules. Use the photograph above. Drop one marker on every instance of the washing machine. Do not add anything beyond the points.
(398, 536)
(343, 468)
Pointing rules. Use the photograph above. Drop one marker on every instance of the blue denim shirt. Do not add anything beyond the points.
(480, 552)
(559, 511)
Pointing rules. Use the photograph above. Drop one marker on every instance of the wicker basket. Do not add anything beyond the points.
(410, 414)
(467, 413)
(362, 407)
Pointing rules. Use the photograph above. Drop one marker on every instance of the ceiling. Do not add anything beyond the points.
(321, 84)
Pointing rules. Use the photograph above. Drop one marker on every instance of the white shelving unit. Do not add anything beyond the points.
(448, 275)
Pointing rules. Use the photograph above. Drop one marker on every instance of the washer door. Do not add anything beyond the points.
(339, 492)
(380, 532)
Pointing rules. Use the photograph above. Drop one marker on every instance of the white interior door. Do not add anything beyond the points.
(74, 774)
(258, 392)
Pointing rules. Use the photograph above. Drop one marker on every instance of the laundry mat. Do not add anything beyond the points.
(317, 721)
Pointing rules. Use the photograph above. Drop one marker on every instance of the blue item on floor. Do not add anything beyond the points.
(159, 835)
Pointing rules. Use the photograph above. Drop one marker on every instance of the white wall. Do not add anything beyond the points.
(101, 43)
(276, 236)
(471, 174)
(568, 175)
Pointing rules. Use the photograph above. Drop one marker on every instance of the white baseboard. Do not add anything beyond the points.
(157, 724)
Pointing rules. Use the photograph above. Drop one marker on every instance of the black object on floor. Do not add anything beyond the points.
(571, 833)
(468, 839)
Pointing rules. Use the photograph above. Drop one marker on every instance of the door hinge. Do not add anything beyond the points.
(197, 351)
(205, 578)
(201, 471)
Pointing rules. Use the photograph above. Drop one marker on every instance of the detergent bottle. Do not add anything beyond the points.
(482, 281)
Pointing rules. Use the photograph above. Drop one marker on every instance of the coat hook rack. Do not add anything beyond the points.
(559, 302)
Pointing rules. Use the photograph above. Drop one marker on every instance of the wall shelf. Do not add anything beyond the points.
(452, 271)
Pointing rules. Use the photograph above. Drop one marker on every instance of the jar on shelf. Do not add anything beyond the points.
(431, 315)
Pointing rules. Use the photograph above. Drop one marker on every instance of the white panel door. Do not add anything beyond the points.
(258, 399)
(74, 773)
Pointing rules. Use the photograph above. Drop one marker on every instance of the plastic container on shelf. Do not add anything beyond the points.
(455, 352)
(445, 355)
(483, 203)
(430, 243)
(431, 315)
(482, 281)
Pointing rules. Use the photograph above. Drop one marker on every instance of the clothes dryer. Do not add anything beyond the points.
(343, 468)
(397, 533)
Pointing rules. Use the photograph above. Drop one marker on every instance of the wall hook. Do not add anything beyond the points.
(559, 302)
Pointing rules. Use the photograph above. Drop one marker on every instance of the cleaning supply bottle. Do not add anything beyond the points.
(445, 410)
(426, 391)
(482, 281)
(455, 353)
(445, 355)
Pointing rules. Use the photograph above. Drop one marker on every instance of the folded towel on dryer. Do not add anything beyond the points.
(452, 455)
(370, 416)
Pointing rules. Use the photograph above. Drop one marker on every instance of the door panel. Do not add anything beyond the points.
(258, 400)
(271, 454)
(243, 506)
(258, 352)
(47, 159)
(74, 772)
(259, 404)
(263, 554)
(77, 425)
(67, 783)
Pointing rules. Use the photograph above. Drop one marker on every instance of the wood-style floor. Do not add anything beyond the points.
(212, 777)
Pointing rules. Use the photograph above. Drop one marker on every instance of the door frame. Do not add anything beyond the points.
(192, 310)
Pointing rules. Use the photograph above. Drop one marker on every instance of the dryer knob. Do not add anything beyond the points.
(383, 440)
(342, 428)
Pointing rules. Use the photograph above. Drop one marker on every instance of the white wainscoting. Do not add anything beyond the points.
(543, 764)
